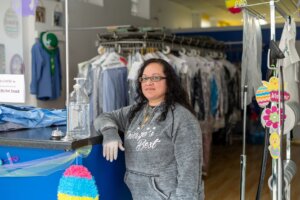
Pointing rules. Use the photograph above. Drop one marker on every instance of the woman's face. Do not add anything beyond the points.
(154, 90)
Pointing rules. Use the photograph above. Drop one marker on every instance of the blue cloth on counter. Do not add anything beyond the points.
(9, 126)
(31, 117)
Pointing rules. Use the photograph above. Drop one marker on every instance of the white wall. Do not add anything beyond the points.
(169, 14)
(28, 41)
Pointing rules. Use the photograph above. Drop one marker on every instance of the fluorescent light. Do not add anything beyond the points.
(262, 21)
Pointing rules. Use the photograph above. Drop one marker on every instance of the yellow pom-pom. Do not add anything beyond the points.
(230, 3)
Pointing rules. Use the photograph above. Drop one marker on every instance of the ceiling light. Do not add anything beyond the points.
(262, 22)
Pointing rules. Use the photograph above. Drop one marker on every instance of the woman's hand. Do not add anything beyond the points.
(110, 150)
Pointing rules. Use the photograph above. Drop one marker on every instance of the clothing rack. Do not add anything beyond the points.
(107, 28)
(159, 40)
(277, 7)
(132, 44)
(281, 11)
(277, 164)
(255, 13)
(245, 5)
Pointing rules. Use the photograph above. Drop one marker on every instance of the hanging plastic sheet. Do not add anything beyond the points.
(43, 166)
(252, 55)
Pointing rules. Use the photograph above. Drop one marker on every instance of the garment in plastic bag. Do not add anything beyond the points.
(31, 117)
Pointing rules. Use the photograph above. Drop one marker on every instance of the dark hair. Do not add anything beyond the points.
(174, 94)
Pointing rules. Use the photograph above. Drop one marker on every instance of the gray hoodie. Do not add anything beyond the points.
(163, 158)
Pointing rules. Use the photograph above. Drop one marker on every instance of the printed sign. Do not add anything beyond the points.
(275, 97)
(12, 89)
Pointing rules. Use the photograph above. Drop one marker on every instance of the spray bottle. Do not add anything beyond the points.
(79, 112)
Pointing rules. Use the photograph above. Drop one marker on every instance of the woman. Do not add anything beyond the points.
(162, 138)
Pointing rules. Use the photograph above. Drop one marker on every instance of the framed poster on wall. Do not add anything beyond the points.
(40, 14)
(16, 65)
(57, 18)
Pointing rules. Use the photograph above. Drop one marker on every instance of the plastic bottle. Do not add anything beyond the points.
(79, 112)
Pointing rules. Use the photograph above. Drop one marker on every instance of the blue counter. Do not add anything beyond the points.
(34, 144)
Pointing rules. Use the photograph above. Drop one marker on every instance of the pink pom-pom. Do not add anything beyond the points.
(78, 171)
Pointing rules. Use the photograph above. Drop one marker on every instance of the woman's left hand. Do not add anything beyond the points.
(110, 150)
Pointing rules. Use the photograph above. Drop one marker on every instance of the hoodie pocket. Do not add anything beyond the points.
(156, 189)
(143, 186)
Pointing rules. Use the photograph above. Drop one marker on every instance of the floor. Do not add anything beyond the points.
(223, 180)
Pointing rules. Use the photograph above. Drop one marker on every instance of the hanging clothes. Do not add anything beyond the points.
(91, 71)
(106, 82)
(291, 61)
(252, 55)
(232, 75)
(83, 67)
(46, 69)
(136, 61)
(114, 87)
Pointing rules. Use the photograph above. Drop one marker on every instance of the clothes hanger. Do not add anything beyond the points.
(166, 50)
(182, 51)
(113, 58)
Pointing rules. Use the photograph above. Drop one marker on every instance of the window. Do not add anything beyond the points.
(140, 8)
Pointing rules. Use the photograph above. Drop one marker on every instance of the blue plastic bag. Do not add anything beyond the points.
(31, 117)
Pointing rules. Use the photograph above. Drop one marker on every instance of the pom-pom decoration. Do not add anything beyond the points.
(77, 183)
(230, 5)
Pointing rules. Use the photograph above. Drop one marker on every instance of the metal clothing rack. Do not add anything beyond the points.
(254, 13)
(277, 165)
(278, 8)
(96, 28)
(158, 40)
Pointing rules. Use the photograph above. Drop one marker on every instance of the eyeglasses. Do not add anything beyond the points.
(151, 78)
